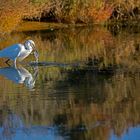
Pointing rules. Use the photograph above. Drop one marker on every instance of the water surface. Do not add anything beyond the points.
(85, 86)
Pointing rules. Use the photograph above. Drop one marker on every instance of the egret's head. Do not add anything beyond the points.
(29, 45)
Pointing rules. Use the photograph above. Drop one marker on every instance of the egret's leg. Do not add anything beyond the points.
(7, 61)
(15, 63)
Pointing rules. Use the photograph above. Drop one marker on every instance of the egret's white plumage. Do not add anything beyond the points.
(18, 51)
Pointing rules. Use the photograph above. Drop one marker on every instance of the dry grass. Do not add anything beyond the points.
(76, 11)
(126, 10)
(11, 13)
(81, 11)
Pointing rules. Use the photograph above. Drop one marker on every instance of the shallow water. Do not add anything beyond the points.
(85, 86)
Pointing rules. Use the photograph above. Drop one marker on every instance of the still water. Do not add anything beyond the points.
(86, 86)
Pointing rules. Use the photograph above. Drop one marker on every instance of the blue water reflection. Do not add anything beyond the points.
(133, 133)
(13, 128)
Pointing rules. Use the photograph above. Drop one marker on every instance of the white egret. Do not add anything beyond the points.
(19, 51)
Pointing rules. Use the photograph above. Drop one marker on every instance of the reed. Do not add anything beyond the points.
(66, 11)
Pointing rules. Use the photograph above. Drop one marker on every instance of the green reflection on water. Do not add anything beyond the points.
(93, 91)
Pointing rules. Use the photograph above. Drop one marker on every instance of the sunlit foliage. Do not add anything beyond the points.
(65, 11)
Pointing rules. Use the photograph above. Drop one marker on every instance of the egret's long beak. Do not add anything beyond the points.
(35, 52)
(33, 46)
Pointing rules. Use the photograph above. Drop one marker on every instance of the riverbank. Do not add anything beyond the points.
(13, 14)
(37, 26)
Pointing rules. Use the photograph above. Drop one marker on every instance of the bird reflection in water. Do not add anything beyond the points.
(20, 75)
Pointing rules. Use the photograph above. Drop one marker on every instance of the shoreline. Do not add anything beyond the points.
(37, 26)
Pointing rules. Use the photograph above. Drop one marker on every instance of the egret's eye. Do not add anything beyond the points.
(26, 48)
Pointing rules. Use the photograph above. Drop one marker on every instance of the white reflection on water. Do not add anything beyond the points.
(20, 75)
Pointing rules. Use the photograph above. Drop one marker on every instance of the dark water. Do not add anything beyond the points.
(86, 86)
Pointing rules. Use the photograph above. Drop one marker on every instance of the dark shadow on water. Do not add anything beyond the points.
(48, 64)
(91, 65)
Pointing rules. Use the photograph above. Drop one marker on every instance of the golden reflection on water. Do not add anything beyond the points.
(87, 100)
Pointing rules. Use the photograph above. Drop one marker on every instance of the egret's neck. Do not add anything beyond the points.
(28, 48)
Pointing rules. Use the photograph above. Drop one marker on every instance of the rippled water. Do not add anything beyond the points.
(85, 86)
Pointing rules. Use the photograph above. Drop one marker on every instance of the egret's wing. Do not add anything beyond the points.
(11, 52)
